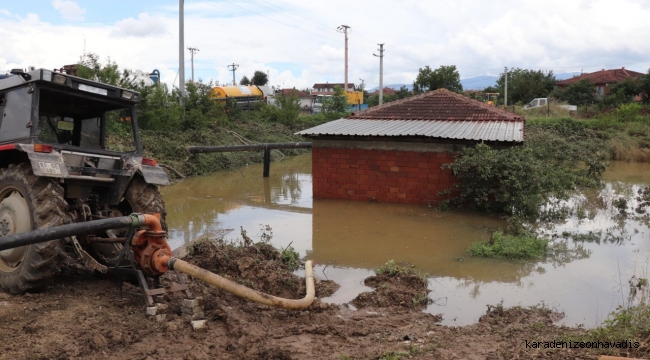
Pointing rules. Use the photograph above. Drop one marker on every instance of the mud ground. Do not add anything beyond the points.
(78, 316)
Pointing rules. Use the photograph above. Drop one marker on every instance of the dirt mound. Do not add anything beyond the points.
(401, 290)
(258, 266)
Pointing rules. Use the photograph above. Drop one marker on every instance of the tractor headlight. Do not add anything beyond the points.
(58, 79)
(127, 95)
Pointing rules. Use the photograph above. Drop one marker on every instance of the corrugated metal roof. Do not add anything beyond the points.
(440, 105)
(508, 131)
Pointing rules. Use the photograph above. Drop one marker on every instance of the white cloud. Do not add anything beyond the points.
(297, 43)
(143, 26)
(69, 10)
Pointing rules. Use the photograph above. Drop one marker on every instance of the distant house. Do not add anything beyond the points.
(387, 91)
(602, 80)
(328, 88)
(394, 152)
(304, 99)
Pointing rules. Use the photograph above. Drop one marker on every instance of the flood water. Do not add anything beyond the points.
(347, 240)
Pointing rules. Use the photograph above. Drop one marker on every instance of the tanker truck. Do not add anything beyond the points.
(244, 97)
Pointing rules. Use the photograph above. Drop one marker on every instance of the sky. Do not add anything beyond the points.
(298, 44)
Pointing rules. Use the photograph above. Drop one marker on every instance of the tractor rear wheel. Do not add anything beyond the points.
(29, 202)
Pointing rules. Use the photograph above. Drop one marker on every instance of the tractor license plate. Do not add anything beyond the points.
(49, 168)
(93, 89)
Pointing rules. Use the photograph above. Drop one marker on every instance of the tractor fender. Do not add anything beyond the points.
(45, 164)
(151, 174)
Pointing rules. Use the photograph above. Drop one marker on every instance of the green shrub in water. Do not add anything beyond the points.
(509, 247)
(556, 158)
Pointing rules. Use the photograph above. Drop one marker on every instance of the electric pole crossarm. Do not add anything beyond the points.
(234, 67)
(381, 72)
(192, 51)
(344, 29)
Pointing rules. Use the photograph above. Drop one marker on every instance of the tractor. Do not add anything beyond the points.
(56, 168)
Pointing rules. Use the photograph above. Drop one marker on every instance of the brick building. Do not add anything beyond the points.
(602, 80)
(394, 152)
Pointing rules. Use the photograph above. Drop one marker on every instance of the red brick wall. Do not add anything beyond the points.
(377, 175)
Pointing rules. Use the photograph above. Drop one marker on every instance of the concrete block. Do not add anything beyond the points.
(197, 316)
(157, 309)
(194, 310)
(190, 303)
(200, 325)
(159, 317)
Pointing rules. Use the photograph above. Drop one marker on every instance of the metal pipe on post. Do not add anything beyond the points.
(267, 161)
(250, 147)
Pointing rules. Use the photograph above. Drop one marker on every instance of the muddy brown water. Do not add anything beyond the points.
(348, 240)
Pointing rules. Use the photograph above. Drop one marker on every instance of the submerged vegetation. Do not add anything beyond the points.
(519, 247)
(392, 269)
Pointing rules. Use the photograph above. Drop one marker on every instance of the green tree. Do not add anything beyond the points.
(200, 109)
(337, 103)
(622, 93)
(580, 93)
(644, 88)
(286, 111)
(159, 109)
(443, 77)
(525, 85)
(403, 93)
(90, 67)
(244, 81)
(259, 78)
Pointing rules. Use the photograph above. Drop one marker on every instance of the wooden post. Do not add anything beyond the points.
(267, 161)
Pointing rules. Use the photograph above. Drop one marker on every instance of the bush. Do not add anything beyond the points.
(557, 158)
(505, 246)
(628, 112)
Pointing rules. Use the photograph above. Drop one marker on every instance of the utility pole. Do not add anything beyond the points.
(505, 95)
(234, 67)
(381, 73)
(363, 86)
(344, 29)
(192, 51)
(181, 51)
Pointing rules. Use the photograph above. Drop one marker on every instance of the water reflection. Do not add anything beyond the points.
(595, 245)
